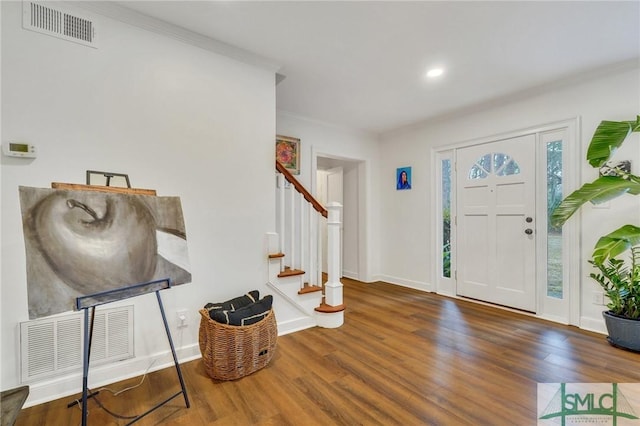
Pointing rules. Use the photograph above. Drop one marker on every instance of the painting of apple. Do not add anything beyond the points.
(95, 244)
(82, 242)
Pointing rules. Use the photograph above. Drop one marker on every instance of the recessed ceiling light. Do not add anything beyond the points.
(435, 72)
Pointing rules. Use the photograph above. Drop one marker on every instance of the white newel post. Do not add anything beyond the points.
(333, 291)
(331, 314)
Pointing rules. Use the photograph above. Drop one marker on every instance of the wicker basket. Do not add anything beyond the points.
(230, 352)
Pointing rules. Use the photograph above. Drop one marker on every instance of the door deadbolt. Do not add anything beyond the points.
(529, 219)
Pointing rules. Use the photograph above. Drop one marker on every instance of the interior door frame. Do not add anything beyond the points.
(567, 309)
(363, 272)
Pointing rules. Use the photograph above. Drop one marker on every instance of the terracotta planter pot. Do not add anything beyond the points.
(623, 332)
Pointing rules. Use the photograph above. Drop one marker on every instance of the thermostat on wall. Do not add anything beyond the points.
(19, 149)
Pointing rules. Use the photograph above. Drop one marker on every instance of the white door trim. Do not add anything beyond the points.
(363, 207)
(568, 311)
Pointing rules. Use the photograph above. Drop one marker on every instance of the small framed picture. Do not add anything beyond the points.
(288, 153)
(403, 178)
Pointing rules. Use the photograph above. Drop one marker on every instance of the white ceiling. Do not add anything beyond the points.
(361, 64)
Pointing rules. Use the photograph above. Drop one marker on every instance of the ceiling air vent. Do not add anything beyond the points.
(58, 23)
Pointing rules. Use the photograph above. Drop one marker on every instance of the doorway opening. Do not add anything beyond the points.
(339, 180)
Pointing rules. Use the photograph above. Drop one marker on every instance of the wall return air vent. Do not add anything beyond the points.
(52, 347)
(56, 22)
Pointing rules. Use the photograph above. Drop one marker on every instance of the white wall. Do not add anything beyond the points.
(176, 118)
(350, 249)
(406, 216)
(338, 142)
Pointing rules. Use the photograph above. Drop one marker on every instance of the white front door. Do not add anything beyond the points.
(496, 224)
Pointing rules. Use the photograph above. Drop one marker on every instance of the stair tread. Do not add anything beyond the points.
(330, 309)
(290, 273)
(309, 289)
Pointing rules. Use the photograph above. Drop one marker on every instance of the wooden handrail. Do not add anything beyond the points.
(301, 189)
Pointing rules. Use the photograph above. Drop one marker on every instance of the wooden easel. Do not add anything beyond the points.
(99, 188)
(90, 302)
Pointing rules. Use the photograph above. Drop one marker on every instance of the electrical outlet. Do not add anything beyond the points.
(598, 298)
(182, 318)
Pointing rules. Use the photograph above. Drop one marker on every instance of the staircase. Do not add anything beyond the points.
(295, 255)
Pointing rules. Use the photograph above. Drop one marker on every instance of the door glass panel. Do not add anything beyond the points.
(446, 218)
(511, 168)
(476, 172)
(485, 162)
(501, 164)
(499, 160)
(554, 235)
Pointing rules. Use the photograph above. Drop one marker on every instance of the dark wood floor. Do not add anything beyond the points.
(403, 357)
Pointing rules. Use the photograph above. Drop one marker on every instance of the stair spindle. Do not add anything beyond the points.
(281, 221)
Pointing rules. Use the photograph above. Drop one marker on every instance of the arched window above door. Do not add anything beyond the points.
(494, 163)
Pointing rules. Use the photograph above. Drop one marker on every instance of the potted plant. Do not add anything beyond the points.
(616, 255)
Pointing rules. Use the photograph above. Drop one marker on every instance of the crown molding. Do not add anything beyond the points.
(125, 15)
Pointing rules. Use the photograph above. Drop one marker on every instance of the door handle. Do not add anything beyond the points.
(528, 231)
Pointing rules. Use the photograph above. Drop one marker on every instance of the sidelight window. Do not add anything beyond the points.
(554, 235)
(446, 218)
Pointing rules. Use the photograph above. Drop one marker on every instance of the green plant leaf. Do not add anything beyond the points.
(615, 243)
(600, 190)
(608, 137)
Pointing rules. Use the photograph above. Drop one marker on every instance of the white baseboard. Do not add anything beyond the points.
(595, 325)
(417, 285)
(294, 325)
(104, 375)
(351, 275)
